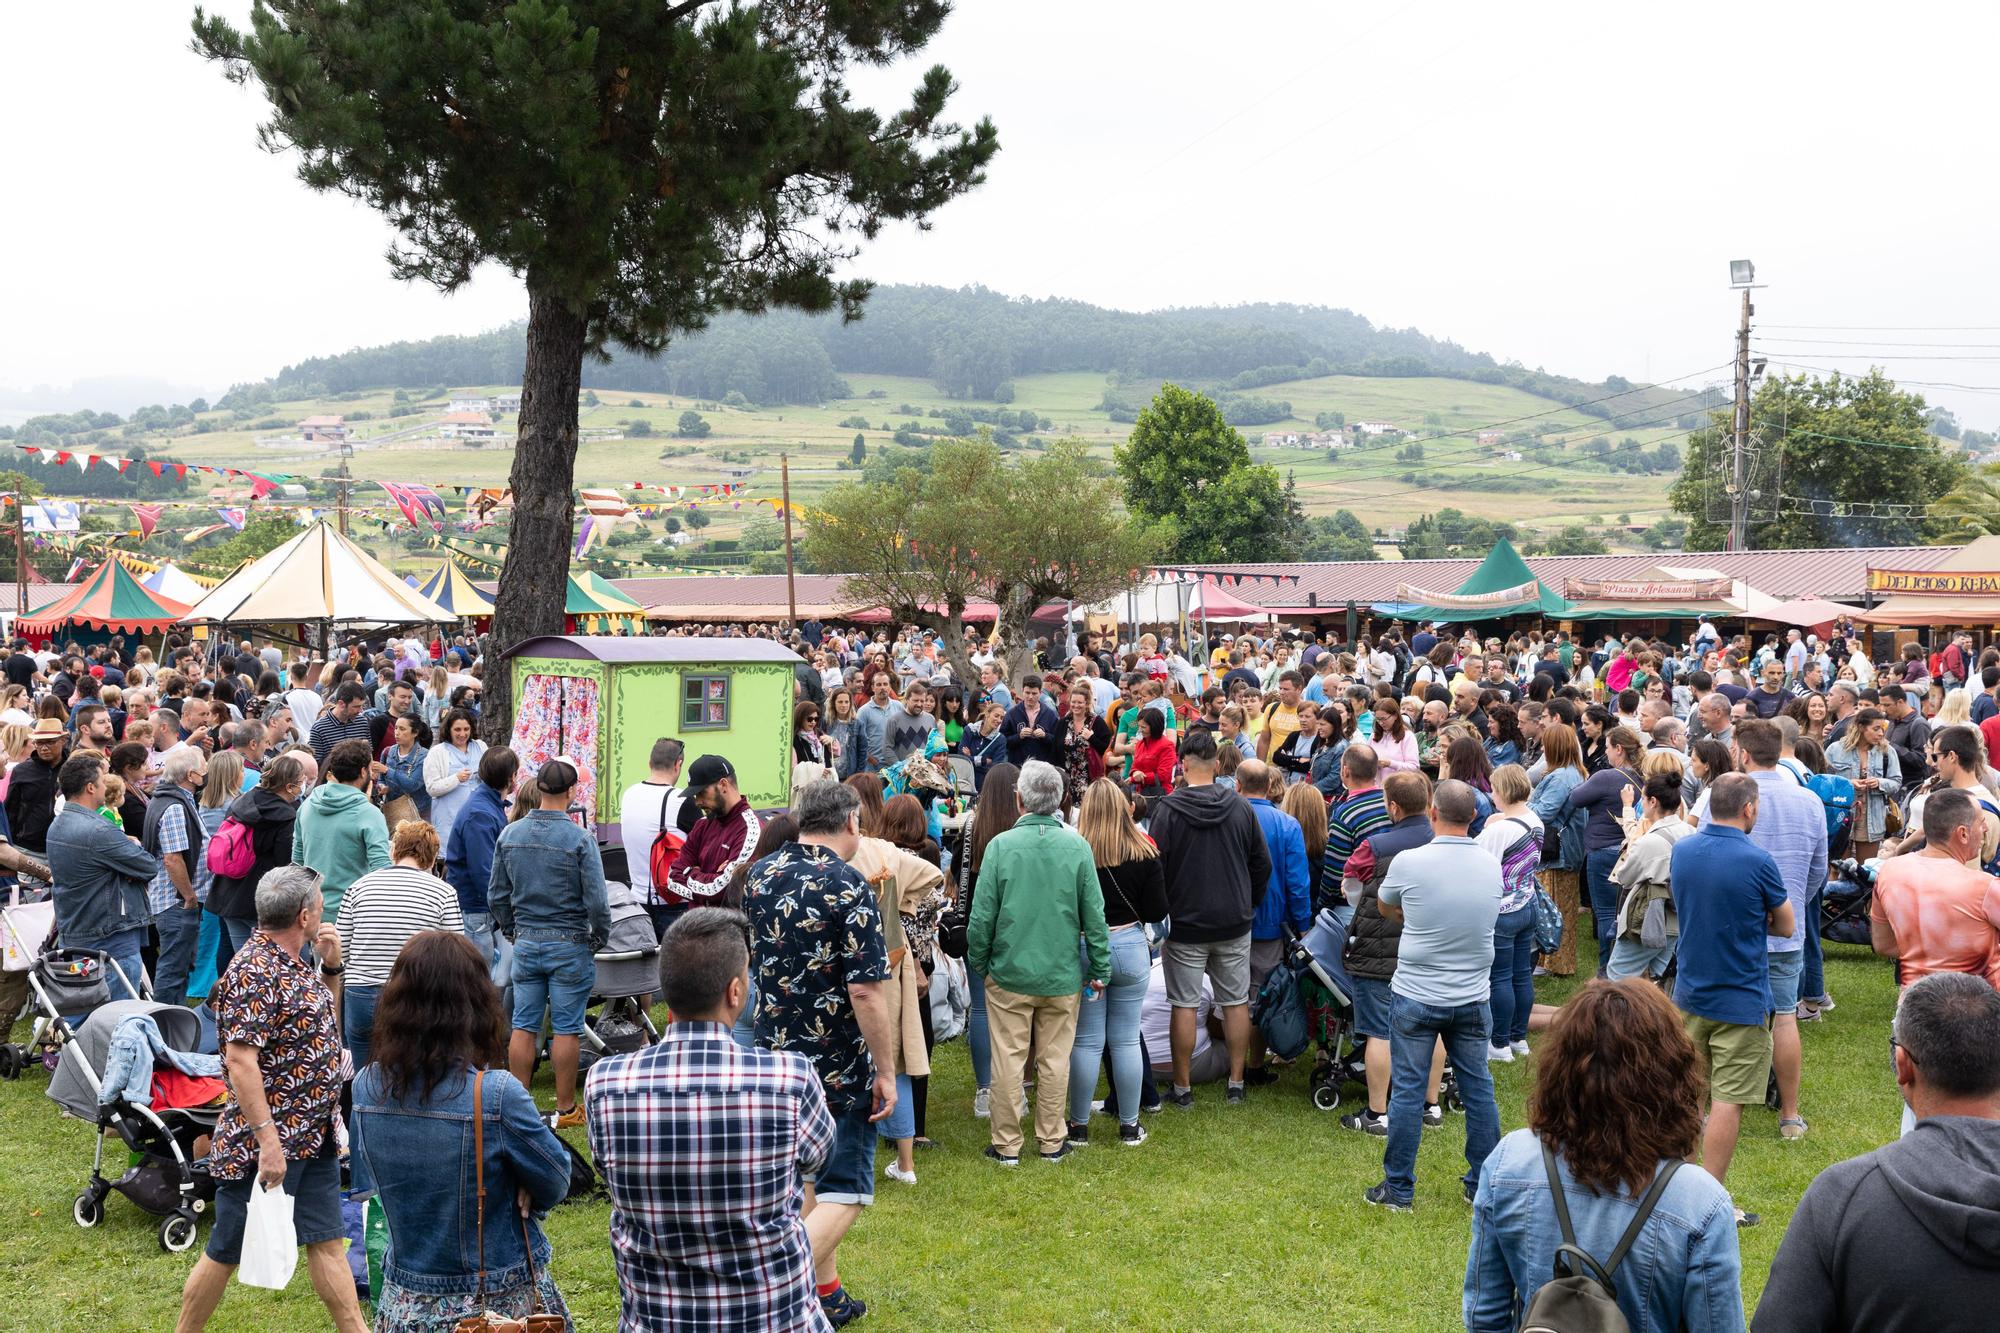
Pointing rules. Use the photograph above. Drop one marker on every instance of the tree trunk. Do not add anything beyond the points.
(1017, 608)
(534, 582)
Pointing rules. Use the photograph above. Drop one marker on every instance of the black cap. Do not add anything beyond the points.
(709, 770)
(556, 776)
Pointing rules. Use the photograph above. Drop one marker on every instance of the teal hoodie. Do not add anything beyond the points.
(341, 834)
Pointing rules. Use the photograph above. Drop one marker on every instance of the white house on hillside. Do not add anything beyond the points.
(466, 426)
(468, 403)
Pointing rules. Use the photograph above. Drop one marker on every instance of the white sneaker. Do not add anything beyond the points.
(895, 1172)
(1518, 1047)
(1499, 1055)
(982, 1103)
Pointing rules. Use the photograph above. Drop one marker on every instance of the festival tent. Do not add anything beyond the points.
(111, 600)
(597, 607)
(171, 581)
(1962, 589)
(1162, 601)
(1809, 612)
(1503, 585)
(453, 589)
(1659, 593)
(319, 576)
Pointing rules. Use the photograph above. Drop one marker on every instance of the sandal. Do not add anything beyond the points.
(1785, 1128)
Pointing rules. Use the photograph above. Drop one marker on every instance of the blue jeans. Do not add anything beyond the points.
(357, 1019)
(1629, 958)
(744, 1033)
(1603, 898)
(236, 932)
(1112, 1020)
(977, 1035)
(1415, 1028)
(124, 950)
(1813, 984)
(1513, 974)
(902, 1122)
(179, 929)
(499, 953)
(208, 957)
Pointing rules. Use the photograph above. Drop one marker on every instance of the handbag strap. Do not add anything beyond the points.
(479, 1175)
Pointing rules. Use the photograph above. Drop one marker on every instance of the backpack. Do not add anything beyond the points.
(1580, 1297)
(1280, 1014)
(230, 853)
(1836, 793)
(667, 844)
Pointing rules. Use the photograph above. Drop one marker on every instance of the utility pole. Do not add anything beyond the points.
(791, 580)
(345, 484)
(1741, 274)
(20, 555)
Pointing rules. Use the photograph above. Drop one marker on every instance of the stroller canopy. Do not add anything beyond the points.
(81, 1068)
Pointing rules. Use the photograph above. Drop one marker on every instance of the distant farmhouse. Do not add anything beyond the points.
(469, 403)
(325, 430)
(466, 426)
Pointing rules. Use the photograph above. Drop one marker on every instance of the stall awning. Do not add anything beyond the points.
(452, 588)
(113, 600)
(1503, 585)
(319, 575)
(1964, 589)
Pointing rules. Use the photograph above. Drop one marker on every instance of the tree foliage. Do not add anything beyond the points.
(911, 549)
(1188, 477)
(1830, 455)
(642, 167)
(1340, 536)
(692, 425)
(1449, 532)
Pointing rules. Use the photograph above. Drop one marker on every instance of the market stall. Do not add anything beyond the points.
(593, 606)
(453, 589)
(320, 577)
(1502, 586)
(1964, 589)
(603, 700)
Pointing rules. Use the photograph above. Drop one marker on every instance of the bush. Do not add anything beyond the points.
(856, 422)
(639, 430)
(693, 426)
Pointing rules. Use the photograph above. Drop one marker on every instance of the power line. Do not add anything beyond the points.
(1863, 342)
(1871, 356)
(1890, 328)
(1927, 384)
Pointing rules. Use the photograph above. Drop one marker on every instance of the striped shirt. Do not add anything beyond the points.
(1347, 823)
(382, 909)
(330, 731)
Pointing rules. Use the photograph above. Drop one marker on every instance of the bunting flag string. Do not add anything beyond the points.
(1223, 578)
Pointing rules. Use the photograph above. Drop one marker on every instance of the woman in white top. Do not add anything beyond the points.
(450, 770)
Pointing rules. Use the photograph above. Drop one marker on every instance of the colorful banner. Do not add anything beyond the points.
(1925, 583)
(1647, 590)
(1450, 601)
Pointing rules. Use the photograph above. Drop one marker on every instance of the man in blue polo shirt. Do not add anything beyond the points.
(1729, 895)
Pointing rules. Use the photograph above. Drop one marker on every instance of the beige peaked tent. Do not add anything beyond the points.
(320, 576)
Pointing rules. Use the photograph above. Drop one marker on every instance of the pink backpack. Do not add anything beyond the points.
(229, 851)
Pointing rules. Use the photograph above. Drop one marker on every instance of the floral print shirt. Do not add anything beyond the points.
(271, 999)
(815, 930)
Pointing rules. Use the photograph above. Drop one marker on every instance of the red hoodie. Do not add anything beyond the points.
(715, 846)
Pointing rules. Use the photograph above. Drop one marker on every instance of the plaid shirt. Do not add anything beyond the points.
(161, 894)
(704, 1145)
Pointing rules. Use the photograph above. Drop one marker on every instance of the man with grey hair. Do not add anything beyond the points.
(1445, 895)
(276, 1014)
(821, 966)
(172, 836)
(1037, 896)
(1908, 1236)
(1669, 733)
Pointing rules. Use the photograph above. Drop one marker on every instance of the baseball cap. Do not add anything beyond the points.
(708, 770)
(556, 776)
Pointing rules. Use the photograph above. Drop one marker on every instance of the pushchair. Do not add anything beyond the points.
(1843, 911)
(169, 1180)
(1313, 964)
(628, 970)
(64, 986)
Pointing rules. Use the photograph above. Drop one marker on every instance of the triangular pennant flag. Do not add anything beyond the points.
(149, 518)
(153, 465)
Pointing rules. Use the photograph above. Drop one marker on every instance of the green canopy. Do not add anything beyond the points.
(1503, 585)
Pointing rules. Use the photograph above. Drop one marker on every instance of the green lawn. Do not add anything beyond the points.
(1245, 1219)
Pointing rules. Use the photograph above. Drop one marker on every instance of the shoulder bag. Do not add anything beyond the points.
(1152, 936)
(538, 1320)
(952, 927)
(1580, 1297)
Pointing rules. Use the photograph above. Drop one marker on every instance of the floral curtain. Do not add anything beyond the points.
(557, 715)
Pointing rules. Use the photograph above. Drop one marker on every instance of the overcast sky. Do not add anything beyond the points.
(1562, 184)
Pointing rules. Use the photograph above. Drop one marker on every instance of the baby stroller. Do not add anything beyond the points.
(168, 1180)
(1843, 911)
(628, 970)
(64, 986)
(1311, 967)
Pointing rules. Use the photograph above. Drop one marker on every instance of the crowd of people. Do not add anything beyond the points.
(1107, 854)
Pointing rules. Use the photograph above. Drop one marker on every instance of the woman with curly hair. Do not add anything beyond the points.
(1616, 1106)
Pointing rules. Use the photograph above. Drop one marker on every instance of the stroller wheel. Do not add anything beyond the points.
(177, 1233)
(88, 1210)
(1326, 1097)
(10, 1061)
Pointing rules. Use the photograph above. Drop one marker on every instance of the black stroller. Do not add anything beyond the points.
(1313, 962)
(169, 1180)
(64, 986)
(628, 969)
(1843, 910)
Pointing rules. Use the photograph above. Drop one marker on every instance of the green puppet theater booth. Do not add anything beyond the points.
(603, 700)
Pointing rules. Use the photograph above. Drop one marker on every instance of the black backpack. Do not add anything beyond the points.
(1580, 1298)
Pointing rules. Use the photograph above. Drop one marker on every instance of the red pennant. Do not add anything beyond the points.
(123, 463)
(155, 466)
(62, 458)
(180, 470)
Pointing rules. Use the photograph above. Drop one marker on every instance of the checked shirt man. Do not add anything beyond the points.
(705, 1146)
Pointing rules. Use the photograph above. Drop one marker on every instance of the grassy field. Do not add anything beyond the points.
(1367, 480)
(1244, 1219)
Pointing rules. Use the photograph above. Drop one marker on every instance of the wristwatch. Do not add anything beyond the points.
(326, 971)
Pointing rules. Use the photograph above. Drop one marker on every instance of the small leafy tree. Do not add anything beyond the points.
(693, 426)
(1189, 478)
(859, 453)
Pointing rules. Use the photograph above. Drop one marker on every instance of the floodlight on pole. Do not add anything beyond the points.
(1742, 273)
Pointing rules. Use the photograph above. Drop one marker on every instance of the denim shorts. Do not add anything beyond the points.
(314, 1185)
(558, 975)
(1786, 969)
(1226, 963)
(848, 1173)
(1371, 1007)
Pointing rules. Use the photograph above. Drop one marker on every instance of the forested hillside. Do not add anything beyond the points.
(970, 342)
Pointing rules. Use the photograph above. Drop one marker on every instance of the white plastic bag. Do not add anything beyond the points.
(270, 1243)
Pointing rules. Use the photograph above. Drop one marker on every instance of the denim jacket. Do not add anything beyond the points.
(1683, 1272)
(405, 777)
(416, 1157)
(548, 882)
